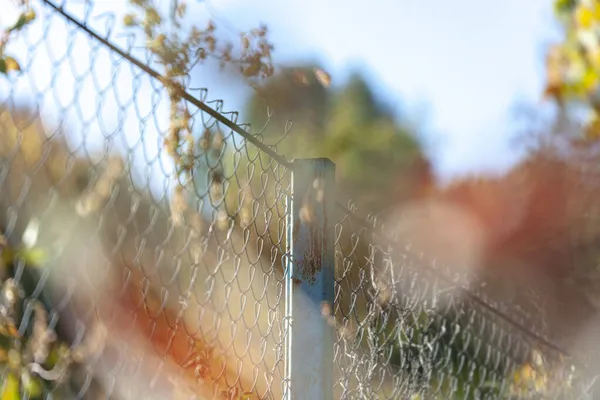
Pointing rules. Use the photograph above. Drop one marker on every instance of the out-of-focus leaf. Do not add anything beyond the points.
(561, 6)
(35, 257)
(589, 80)
(528, 378)
(10, 388)
(32, 386)
(152, 16)
(24, 19)
(9, 64)
(252, 70)
(21, 21)
(30, 15)
(584, 17)
(129, 20)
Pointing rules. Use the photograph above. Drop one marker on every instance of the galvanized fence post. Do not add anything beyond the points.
(309, 281)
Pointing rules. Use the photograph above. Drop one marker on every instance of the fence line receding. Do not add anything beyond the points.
(246, 278)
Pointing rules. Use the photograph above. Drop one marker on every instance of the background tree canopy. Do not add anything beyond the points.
(375, 155)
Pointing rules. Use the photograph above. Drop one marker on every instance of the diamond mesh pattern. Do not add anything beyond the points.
(122, 280)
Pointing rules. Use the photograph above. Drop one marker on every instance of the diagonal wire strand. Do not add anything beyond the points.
(184, 94)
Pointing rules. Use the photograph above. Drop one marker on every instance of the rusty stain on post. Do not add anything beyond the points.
(309, 281)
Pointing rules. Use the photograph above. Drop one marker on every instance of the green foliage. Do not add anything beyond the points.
(374, 154)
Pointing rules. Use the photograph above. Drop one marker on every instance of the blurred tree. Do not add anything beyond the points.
(379, 164)
(374, 154)
(573, 66)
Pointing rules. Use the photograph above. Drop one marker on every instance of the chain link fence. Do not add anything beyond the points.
(123, 278)
(412, 328)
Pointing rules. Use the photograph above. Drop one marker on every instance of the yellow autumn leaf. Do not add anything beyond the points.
(10, 388)
(11, 64)
(152, 16)
(524, 374)
(527, 377)
(596, 11)
(157, 45)
(584, 17)
(590, 80)
(129, 20)
(30, 15)
(8, 64)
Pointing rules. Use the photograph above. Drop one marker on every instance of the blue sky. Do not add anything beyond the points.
(463, 62)
(468, 61)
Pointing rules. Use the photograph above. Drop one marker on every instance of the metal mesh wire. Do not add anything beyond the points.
(174, 274)
(411, 328)
(149, 288)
